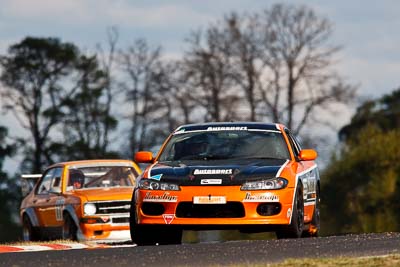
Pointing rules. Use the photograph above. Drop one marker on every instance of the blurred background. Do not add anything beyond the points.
(104, 79)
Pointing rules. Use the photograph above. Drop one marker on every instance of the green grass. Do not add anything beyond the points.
(377, 261)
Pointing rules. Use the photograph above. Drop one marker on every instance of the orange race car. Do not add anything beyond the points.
(80, 200)
(248, 176)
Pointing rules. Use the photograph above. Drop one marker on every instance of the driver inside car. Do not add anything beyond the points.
(76, 179)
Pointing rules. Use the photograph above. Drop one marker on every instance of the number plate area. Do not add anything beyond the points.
(209, 200)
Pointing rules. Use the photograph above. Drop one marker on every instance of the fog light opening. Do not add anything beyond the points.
(268, 209)
(100, 232)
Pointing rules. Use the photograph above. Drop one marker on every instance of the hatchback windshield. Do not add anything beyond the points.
(100, 176)
(207, 145)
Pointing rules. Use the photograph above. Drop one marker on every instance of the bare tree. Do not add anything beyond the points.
(33, 76)
(87, 119)
(299, 58)
(107, 60)
(181, 102)
(208, 69)
(142, 67)
(245, 40)
(278, 63)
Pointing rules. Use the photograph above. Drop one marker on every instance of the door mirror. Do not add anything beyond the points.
(144, 157)
(308, 154)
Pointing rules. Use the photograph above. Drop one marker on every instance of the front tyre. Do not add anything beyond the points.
(314, 228)
(148, 235)
(29, 233)
(69, 229)
(296, 226)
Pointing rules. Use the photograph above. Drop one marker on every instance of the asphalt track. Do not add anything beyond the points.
(244, 252)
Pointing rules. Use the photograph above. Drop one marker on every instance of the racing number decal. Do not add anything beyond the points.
(59, 209)
(309, 180)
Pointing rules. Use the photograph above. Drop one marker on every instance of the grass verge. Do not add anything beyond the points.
(375, 261)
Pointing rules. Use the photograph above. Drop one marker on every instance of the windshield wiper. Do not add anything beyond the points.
(203, 157)
(247, 157)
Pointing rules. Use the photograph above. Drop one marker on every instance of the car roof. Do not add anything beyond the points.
(92, 162)
(221, 126)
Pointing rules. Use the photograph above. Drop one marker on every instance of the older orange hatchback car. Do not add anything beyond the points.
(80, 200)
(248, 176)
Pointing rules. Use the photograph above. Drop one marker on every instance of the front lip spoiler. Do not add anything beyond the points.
(250, 228)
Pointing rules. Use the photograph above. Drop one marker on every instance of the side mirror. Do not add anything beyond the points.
(308, 154)
(144, 157)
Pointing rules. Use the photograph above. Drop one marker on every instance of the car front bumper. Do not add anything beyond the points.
(165, 207)
(104, 231)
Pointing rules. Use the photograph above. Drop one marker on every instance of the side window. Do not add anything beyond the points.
(56, 181)
(51, 182)
(45, 183)
(293, 143)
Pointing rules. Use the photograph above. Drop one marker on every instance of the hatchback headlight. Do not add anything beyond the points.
(275, 183)
(89, 209)
(150, 184)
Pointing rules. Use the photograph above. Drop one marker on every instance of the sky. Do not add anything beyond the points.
(367, 30)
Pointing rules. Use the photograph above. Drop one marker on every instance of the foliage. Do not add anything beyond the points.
(49, 85)
(383, 113)
(362, 183)
(87, 117)
(361, 186)
(34, 78)
(9, 193)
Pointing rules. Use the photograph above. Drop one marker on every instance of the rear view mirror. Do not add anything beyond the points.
(144, 157)
(308, 154)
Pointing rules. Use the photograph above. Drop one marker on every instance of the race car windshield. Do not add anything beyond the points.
(221, 145)
(101, 176)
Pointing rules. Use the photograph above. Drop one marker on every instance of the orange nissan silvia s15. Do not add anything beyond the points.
(80, 200)
(249, 176)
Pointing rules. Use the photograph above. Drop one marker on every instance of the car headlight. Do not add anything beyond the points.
(275, 183)
(150, 184)
(89, 209)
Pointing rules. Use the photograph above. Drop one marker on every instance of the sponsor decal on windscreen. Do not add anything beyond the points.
(229, 128)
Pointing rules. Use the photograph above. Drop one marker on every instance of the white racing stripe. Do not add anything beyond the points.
(281, 168)
(52, 246)
(151, 167)
(62, 246)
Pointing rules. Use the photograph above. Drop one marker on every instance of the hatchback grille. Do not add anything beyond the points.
(113, 207)
(228, 210)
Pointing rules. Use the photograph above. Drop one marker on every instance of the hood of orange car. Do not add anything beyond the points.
(222, 172)
(99, 194)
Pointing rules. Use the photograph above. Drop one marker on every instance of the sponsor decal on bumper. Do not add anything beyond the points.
(166, 197)
(265, 197)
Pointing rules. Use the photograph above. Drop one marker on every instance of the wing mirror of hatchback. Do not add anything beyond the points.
(308, 154)
(144, 157)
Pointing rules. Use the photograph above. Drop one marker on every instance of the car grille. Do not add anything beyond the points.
(228, 210)
(112, 207)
